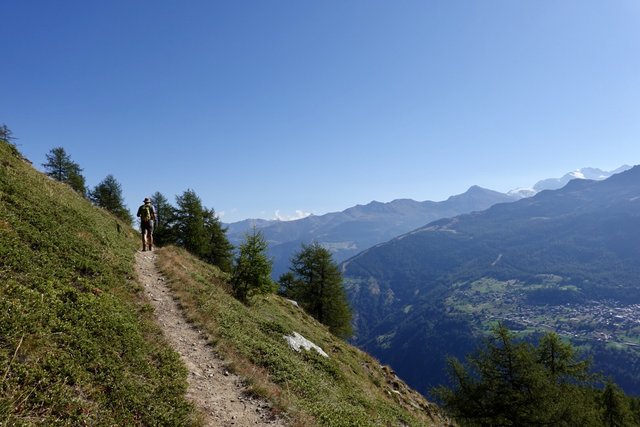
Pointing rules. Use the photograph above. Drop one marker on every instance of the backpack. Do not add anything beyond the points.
(146, 213)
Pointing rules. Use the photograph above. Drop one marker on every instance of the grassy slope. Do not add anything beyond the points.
(348, 389)
(78, 345)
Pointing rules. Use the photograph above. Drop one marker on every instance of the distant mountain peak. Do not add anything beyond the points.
(556, 183)
(475, 189)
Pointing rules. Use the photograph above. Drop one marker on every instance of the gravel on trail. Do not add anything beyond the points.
(220, 396)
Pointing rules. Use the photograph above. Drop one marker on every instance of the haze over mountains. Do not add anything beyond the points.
(360, 227)
(566, 260)
(355, 229)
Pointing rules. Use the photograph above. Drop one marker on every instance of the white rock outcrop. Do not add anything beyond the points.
(297, 341)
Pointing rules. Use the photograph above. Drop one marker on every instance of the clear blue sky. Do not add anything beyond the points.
(285, 105)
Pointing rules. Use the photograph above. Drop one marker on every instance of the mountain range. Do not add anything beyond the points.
(556, 183)
(566, 260)
(355, 229)
(360, 227)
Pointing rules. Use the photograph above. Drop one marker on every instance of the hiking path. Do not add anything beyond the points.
(220, 396)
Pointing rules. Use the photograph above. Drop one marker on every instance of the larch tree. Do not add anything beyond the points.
(616, 411)
(513, 383)
(108, 195)
(162, 234)
(188, 225)
(315, 282)
(219, 250)
(252, 268)
(5, 134)
(60, 167)
(200, 231)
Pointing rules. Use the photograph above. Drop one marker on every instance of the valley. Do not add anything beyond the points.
(488, 300)
(446, 284)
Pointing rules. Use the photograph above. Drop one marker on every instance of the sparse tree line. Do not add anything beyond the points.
(107, 194)
(314, 281)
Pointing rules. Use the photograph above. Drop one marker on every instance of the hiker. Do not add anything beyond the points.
(147, 217)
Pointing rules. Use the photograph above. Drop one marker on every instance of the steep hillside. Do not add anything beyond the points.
(566, 260)
(355, 229)
(78, 345)
(347, 388)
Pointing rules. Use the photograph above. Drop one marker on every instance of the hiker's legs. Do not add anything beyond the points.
(150, 238)
(144, 239)
(147, 235)
(150, 235)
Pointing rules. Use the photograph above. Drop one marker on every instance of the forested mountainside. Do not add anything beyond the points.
(566, 260)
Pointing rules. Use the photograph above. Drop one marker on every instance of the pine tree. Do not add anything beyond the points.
(60, 167)
(252, 268)
(108, 195)
(317, 286)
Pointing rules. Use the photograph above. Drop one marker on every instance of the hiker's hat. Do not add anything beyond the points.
(147, 200)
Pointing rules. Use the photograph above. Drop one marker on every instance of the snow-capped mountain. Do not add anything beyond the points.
(556, 183)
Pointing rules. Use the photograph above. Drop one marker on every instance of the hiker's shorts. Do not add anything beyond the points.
(146, 226)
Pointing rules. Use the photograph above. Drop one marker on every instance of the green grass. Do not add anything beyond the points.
(347, 389)
(78, 345)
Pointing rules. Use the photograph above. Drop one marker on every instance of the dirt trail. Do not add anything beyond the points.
(220, 395)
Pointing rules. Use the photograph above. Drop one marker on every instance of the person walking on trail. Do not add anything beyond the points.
(147, 217)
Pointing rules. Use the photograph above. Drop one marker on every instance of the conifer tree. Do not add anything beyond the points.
(5, 134)
(219, 250)
(108, 195)
(189, 225)
(616, 411)
(60, 167)
(76, 180)
(560, 360)
(316, 285)
(199, 230)
(162, 234)
(513, 383)
(252, 268)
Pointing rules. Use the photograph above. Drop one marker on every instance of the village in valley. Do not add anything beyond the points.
(488, 301)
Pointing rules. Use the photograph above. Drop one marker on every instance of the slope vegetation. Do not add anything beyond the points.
(78, 345)
(348, 388)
